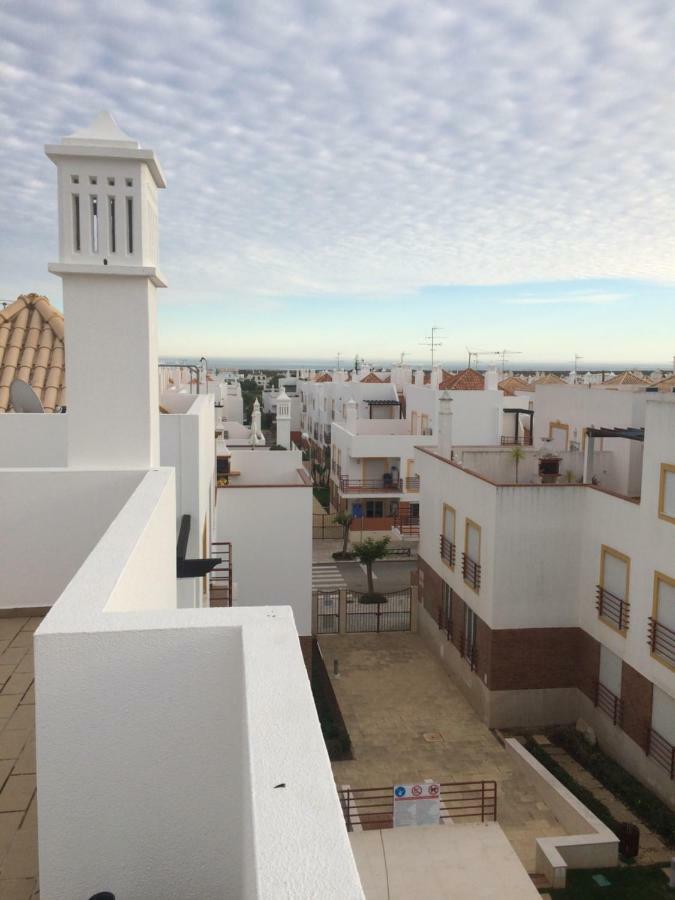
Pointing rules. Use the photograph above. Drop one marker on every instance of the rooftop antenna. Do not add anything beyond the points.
(576, 360)
(507, 353)
(431, 341)
(403, 353)
(23, 398)
(338, 360)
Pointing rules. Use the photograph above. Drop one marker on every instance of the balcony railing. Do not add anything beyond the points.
(412, 484)
(662, 641)
(447, 551)
(609, 703)
(385, 483)
(611, 607)
(471, 572)
(445, 622)
(468, 652)
(510, 440)
(326, 435)
(407, 524)
(662, 752)
(220, 578)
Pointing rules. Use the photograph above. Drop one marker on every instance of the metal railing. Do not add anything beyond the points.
(662, 752)
(373, 808)
(220, 578)
(513, 441)
(407, 524)
(445, 623)
(468, 652)
(384, 483)
(393, 614)
(412, 483)
(471, 572)
(609, 703)
(661, 640)
(325, 528)
(447, 551)
(611, 607)
(327, 612)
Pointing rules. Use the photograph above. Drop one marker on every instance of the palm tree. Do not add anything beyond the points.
(517, 454)
(344, 519)
(368, 552)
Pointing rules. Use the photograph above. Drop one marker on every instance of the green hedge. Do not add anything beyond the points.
(639, 799)
(580, 792)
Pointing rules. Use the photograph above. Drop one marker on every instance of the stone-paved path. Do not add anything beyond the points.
(393, 692)
(652, 848)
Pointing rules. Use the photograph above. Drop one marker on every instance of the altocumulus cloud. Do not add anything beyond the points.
(358, 149)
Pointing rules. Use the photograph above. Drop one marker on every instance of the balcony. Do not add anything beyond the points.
(407, 524)
(662, 752)
(220, 578)
(471, 572)
(447, 551)
(412, 484)
(609, 703)
(509, 440)
(611, 608)
(385, 484)
(661, 640)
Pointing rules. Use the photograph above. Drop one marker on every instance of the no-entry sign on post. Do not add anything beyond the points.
(417, 804)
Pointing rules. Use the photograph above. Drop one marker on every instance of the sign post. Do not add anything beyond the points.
(417, 804)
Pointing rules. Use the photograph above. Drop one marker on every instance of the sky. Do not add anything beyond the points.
(342, 176)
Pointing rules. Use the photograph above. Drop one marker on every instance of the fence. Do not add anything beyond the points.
(341, 611)
(324, 528)
(220, 578)
(373, 808)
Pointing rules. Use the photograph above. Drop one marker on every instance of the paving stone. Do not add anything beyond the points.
(22, 858)
(25, 764)
(9, 825)
(10, 627)
(17, 793)
(23, 639)
(12, 656)
(22, 718)
(18, 684)
(17, 888)
(8, 703)
(12, 743)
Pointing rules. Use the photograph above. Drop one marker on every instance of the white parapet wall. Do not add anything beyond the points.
(179, 751)
(31, 439)
(589, 844)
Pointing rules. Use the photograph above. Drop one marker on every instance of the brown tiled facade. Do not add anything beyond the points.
(636, 694)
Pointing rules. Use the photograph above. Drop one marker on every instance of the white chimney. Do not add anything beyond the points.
(445, 425)
(107, 199)
(419, 376)
(435, 377)
(284, 419)
(491, 379)
(351, 414)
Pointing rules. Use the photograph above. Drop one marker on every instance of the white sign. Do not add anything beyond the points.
(417, 804)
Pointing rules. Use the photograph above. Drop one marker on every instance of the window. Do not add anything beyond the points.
(667, 493)
(662, 622)
(93, 179)
(446, 610)
(130, 224)
(468, 642)
(608, 687)
(471, 569)
(129, 182)
(374, 509)
(662, 731)
(111, 182)
(112, 235)
(94, 223)
(448, 535)
(612, 591)
(76, 223)
(75, 179)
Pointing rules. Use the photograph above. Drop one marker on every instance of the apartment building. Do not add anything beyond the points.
(166, 763)
(554, 599)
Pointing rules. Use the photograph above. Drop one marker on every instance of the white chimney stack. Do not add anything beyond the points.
(351, 415)
(435, 377)
(284, 419)
(491, 379)
(445, 425)
(419, 377)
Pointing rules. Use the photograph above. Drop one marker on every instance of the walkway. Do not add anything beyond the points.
(408, 721)
(18, 819)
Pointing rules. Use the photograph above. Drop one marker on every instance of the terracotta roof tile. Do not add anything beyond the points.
(549, 378)
(323, 378)
(666, 384)
(371, 378)
(31, 349)
(466, 380)
(625, 378)
(512, 384)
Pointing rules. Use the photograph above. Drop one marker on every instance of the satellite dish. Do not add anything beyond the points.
(23, 398)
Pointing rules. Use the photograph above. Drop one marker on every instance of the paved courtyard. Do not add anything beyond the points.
(18, 814)
(394, 695)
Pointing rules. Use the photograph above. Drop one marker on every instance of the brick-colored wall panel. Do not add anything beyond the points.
(588, 659)
(636, 694)
(433, 589)
(531, 658)
(457, 619)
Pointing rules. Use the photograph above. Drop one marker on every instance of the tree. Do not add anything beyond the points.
(368, 552)
(517, 454)
(345, 520)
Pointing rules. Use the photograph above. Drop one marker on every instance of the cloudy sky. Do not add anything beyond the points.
(344, 175)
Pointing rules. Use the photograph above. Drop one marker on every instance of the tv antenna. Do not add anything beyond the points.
(403, 353)
(23, 398)
(432, 342)
(505, 354)
(576, 360)
(338, 360)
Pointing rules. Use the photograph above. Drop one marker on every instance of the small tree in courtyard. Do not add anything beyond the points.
(517, 455)
(345, 520)
(368, 552)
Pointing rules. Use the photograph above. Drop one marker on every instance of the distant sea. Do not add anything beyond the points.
(261, 362)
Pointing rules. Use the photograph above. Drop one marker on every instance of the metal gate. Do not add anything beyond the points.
(391, 615)
(324, 528)
(327, 611)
